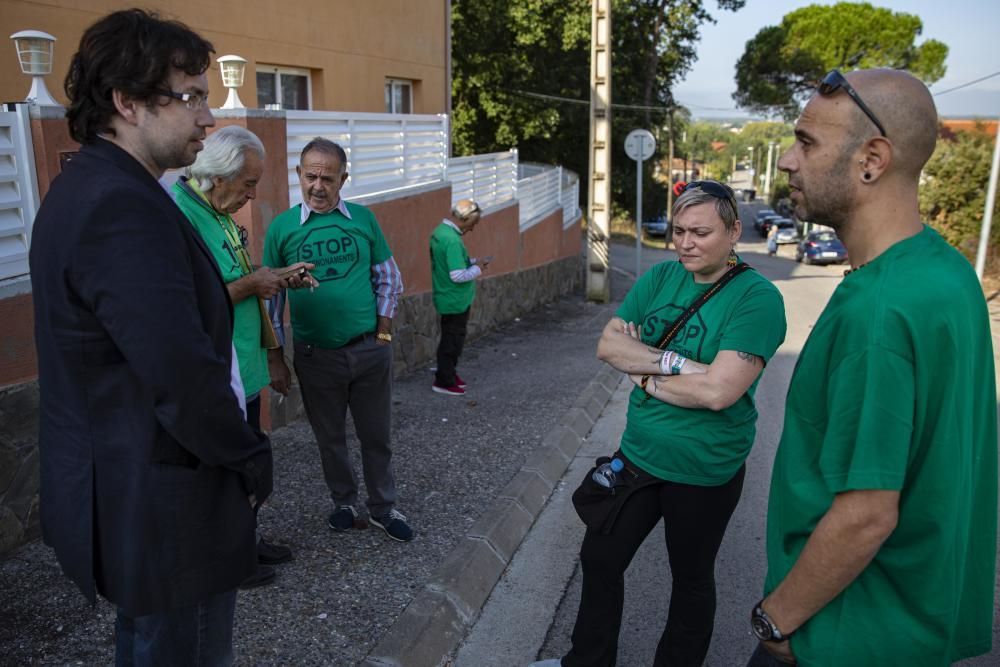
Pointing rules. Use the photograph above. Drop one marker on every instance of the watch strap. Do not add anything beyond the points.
(775, 635)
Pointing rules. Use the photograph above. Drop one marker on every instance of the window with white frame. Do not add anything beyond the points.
(398, 96)
(283, 88)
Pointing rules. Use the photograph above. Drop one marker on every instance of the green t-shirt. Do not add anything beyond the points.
(895, 390)
(210, 225)
(344, 251)
(697, 446)
(448, 254)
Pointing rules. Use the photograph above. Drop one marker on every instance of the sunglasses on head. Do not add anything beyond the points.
(714, 188)
(835, 81)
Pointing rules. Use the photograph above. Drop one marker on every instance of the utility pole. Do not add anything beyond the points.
(767, 174)
(991, 200)
(599, 178)
(670, 161)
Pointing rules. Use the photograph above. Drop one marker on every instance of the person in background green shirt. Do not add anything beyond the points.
(690, 425)
(453, 279)
(221, 181)
(882, 519)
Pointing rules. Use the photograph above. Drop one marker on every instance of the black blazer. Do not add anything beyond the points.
(146, 460)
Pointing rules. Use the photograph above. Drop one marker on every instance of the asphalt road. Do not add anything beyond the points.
(531, 612)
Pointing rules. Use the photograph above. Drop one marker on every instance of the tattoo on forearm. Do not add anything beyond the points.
(749, 358)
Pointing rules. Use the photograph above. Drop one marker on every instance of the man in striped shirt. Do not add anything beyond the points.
(343, 333)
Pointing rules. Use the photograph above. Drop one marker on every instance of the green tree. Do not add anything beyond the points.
(514, 59)
(782, 65)
(953, 191)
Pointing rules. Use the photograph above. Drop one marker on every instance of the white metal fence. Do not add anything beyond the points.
(539, 195)
(384, 151)
(18, 191)
(387, 152)
(489, 179)
(569, 197)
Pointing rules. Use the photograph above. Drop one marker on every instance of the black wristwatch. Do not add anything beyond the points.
(763, 627)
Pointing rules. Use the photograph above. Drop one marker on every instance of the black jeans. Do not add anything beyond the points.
(694, 522)
(253, 412)
(453, 328)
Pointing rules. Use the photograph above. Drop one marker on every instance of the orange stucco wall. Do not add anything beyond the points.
(407, 223)
(572, 240)
(349, 46)
(498, 235)
(542, 242)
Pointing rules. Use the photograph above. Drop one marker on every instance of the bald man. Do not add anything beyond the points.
(881, 537)
(453, 279)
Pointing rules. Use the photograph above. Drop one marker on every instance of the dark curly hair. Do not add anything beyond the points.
(132, 51)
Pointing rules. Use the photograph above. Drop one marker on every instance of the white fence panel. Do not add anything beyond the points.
(384, 151)
(18, 192)
(570, 198)
(489, 179)
(538, 196)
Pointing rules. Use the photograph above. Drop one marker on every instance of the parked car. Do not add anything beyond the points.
(656, 227)
(761, 214)
(767, 221)
(821, 247)
(787, 232)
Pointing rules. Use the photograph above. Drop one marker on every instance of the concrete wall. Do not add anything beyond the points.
(349, 47)
(528, 269)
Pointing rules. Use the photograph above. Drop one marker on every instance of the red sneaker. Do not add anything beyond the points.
(454, 390)
(460, 382)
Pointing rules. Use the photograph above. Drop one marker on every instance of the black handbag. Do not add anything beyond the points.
(599, 506)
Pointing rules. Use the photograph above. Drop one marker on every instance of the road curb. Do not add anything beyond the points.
(433, 625)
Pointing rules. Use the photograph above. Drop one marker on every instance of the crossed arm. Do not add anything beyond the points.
(713, 386)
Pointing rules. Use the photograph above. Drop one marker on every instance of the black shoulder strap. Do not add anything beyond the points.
(700, 301)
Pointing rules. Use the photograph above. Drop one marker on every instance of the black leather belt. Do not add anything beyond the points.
(356, 339)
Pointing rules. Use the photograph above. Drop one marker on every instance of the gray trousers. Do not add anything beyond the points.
(359, 377)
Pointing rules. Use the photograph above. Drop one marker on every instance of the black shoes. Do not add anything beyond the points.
(263, 576)
(272, 554)
(268, 555)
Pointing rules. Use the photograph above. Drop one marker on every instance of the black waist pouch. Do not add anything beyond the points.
(599, 506)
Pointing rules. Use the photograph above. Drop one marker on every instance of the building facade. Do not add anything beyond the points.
(382, 56)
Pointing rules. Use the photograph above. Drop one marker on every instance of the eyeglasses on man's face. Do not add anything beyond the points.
(193, 101)
(835, 81)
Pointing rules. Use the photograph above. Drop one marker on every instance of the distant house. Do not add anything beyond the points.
(949, 127)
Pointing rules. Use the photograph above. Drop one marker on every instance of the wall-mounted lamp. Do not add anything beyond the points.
(233, 68)
(34, 53)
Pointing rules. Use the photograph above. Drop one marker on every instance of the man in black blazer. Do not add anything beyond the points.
(149, 473)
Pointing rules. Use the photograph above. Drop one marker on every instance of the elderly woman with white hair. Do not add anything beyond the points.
(221, 181)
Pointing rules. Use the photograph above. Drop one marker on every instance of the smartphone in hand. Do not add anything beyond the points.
(293, 271)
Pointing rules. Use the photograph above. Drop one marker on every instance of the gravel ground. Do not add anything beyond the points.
(343, 591)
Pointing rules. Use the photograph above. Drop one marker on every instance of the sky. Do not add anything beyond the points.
(970, 28)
